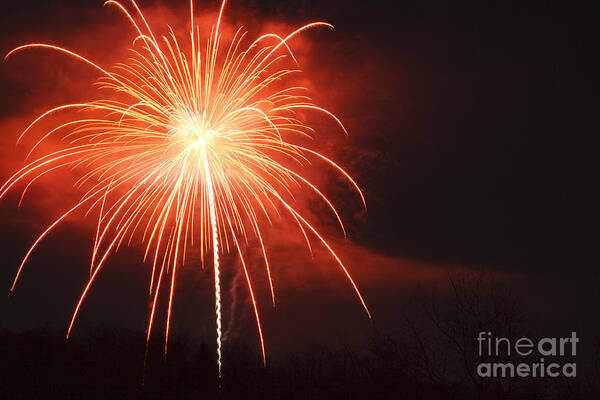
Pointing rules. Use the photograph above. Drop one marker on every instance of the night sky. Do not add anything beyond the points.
(470, 127)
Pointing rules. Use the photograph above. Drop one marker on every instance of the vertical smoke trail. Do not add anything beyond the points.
(213, 222)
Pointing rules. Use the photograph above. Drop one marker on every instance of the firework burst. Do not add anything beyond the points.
(194, 147)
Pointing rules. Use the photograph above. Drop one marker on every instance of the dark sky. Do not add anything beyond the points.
(470, 131)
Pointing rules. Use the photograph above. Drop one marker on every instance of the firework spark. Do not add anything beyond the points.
(192, 148)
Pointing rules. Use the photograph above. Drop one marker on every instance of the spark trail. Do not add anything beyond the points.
(215, 242)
